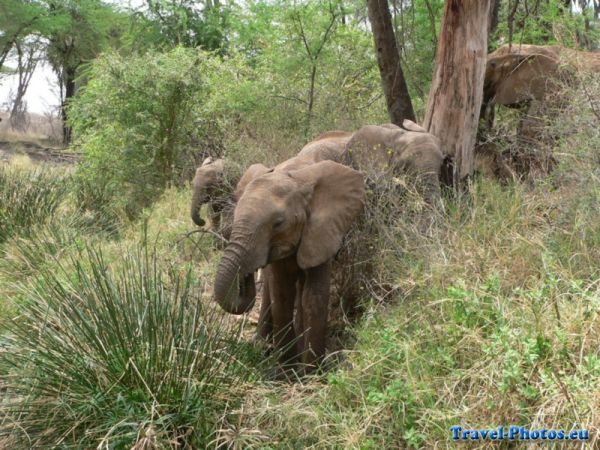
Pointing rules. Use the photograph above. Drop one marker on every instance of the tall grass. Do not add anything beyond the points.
(28, 196)
(120, 354)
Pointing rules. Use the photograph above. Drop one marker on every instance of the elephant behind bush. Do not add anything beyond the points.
(387, 151)
(532, 78)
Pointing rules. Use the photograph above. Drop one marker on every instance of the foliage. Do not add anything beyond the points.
(141, 122)
(283, 43)
(417, 27)
(189, 24)
(28, 197)
(546, 23)
(118, 355)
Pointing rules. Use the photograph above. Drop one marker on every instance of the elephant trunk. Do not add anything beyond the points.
(234, 288)
(198, 199)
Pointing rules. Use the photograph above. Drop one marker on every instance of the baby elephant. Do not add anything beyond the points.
(212, 186)
(290, 220)
(389, 149)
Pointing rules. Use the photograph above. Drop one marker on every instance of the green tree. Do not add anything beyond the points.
(190, 23)
(17, 20)
(74, 32)
(140, 121)
(82, 29)
(313, 67)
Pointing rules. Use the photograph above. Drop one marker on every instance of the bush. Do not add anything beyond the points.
(143, 123)
(127, 357)
(27, 197)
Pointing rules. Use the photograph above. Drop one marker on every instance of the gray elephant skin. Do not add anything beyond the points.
(211, 186)
(290, 220)
(388, 149)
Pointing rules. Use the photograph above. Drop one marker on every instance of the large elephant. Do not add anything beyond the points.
(518, 75)
(389, 149)
(291, 221)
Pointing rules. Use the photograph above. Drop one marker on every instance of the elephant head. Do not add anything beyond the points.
(303, 210)
(207, 182)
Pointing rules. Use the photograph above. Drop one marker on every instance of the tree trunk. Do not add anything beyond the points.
(457, 89)
(69, 86)
(494, 18)
(388, 58)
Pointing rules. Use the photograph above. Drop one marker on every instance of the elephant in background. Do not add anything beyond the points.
(290, 220)
(389, 149)
(528, 77)
(213, 185)
(525, 76)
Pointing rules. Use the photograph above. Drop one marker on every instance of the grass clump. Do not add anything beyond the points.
(28, 196)
(118, 356)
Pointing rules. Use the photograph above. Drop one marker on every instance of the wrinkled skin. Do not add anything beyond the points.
(210, 187)
(389, 149)
(291, 221)
(328, 146)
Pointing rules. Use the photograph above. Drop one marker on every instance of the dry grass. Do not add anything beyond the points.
(480, 315)
(492, 319)
(42, 129)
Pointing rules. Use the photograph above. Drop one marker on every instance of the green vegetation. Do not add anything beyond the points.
(141, 123)
(485, 314)
(125, 356)
(28, 197)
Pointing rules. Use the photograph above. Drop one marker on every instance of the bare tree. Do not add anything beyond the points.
(457, 89)
(313, 51)
(388, 58)
(28, 56)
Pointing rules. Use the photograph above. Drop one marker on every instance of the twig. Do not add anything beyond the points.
(202, 230)
(591, 101)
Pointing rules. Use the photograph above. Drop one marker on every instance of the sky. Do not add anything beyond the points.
(42, 94)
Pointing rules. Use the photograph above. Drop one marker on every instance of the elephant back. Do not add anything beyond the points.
(328, 146)
(371, 148)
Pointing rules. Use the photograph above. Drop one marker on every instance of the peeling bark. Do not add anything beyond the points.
(457, 89)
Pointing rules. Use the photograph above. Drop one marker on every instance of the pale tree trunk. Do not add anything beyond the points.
(457, 88)
(388, 58)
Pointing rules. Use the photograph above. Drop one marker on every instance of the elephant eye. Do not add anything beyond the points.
(278, 222)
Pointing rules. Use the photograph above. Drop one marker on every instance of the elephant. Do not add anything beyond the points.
(527, 77)
(389, 149)
(212, 185)
(289, 220)
(524, 75)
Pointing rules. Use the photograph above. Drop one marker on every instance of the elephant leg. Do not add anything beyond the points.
(265, 319)
(315, 303)
(283, 294)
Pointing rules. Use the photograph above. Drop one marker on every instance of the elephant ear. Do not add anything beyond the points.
(252, 172)
(523, 76)
(336, 198)
(412, 126)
